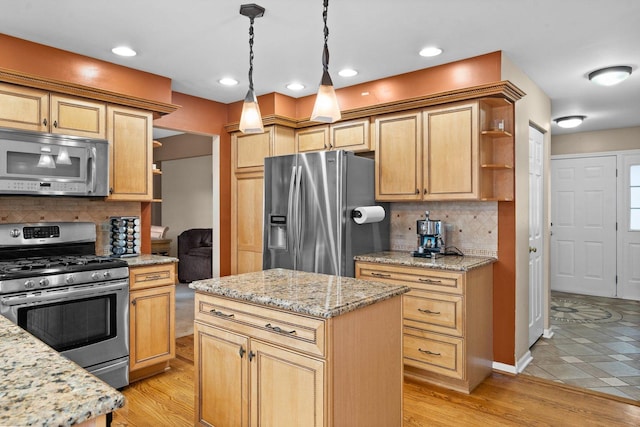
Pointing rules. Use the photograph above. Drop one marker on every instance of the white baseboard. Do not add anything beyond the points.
(518, 368)
(548, 333)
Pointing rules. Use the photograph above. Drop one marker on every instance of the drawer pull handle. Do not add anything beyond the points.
(279, 329)
(430, 281)
(427, 311)
(219, 313)
(380, 275)
(430, 353)
(153, 277)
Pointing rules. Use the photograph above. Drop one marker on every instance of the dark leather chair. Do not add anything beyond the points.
(194, 254)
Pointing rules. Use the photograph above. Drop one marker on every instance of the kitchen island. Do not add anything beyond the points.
(287, 348)
(40, 387)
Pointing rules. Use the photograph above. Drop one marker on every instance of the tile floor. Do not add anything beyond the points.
(596, 347)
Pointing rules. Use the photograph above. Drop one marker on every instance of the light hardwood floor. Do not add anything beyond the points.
(501, 400)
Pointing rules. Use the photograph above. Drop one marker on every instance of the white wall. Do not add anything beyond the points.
(187, 196)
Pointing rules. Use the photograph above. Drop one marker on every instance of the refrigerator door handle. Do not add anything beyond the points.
(298, 214)
(291, 219)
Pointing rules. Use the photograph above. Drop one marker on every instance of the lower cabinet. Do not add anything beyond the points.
(448, 322)
(259, 366)
(151, 319)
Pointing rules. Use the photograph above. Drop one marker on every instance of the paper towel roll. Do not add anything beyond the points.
(368, 214)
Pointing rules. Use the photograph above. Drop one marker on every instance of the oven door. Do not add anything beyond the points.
(88, 324)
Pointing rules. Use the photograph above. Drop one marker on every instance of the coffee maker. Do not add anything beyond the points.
(431, 237)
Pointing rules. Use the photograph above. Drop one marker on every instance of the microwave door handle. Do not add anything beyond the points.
(92, 165)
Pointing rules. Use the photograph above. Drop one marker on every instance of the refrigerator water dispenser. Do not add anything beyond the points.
(277, 232)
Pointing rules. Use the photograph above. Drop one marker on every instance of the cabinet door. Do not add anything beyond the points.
(451, 153)
(151, 326)
(398, 157)
(73, 116)
(313, 139)
(249, 150)
(221, 381)
(24, 108)
(287, 389)
(246, 228)
(130, 144)
(352, 135)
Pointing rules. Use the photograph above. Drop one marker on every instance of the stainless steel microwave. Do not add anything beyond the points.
(47, 164)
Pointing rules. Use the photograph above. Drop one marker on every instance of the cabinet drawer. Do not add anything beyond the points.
(433, 312)
(150, 276)
(290, 330)
(415, 277)
(436, 353)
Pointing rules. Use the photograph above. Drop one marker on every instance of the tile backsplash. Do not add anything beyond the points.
(21, 209)
(472, 227)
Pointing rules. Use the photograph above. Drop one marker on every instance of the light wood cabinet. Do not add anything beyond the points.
(151, 319)
(37, 110)
(448, 322)
(446, 153)
(130, 136)
(247, 188)
(261, 366)
(352, 135)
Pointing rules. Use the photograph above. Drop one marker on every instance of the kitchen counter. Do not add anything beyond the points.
(448, 262)
(314, 294)
(38, 386)
(146, 259)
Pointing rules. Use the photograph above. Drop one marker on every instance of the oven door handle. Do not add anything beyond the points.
(63, 294)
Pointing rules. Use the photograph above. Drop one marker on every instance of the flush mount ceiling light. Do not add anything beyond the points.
(295, 86)
(326, 108)
(124, 51)
(251, 120)
(228, 81)
(430, 51)
(568, 122)
(610, 76)
(347, 72)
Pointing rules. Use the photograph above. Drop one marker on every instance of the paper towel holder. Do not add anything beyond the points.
(356, 214)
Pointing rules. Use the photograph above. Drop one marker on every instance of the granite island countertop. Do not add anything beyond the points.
(448, 262)
(313, 294)
(40, 387)
(147, 259)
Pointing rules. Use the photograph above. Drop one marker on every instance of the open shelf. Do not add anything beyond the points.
(157, 144)
(497, 133)
(496, 166)
(157, 172)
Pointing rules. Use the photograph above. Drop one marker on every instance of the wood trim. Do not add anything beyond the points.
(502, 89)
(33, 81)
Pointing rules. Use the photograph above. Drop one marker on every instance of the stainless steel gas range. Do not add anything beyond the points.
(54, 286)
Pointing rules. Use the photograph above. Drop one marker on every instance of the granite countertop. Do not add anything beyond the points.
(145, 259)
(40, 387)
(314, 294)
(448, 262)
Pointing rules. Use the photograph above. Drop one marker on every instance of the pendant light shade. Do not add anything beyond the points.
(326, 108)
(251, 120)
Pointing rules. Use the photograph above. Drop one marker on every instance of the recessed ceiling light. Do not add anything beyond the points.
(430, 51)
(228, 81)
(569, 121)
(610, 76)
(124, 51)
(295, 86)
(348, 72)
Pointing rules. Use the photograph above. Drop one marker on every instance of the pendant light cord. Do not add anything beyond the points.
(325, 52)
(251, 54)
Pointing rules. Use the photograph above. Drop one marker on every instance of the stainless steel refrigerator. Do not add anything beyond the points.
(308, 202)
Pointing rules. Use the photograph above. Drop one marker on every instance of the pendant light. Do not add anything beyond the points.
(326, 108)
(251, 120)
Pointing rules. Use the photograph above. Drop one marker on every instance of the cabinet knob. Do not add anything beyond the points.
(44, 122)
(241, 351)
(417, 191)
(55, 123)
(251, 355)
(425, 191)
(133, 302)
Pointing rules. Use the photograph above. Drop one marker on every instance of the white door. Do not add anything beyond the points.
(583, 225)
(536, 236)
(629, 229)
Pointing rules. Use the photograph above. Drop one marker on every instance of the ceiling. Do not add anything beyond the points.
(197, 42)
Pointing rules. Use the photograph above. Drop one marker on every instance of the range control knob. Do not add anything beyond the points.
(96, 276)
(44, 282)
(69, 279)
(29, 284)
(14, 232)
(107, 274)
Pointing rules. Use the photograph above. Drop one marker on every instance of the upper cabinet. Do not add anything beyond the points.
(462, 151)
(130, 136)
(352, 135)
(249, 150)
(37, 110)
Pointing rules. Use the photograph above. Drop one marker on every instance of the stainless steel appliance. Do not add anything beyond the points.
(308, 202)
(431, 237)
(47, 164)
(54, 286)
